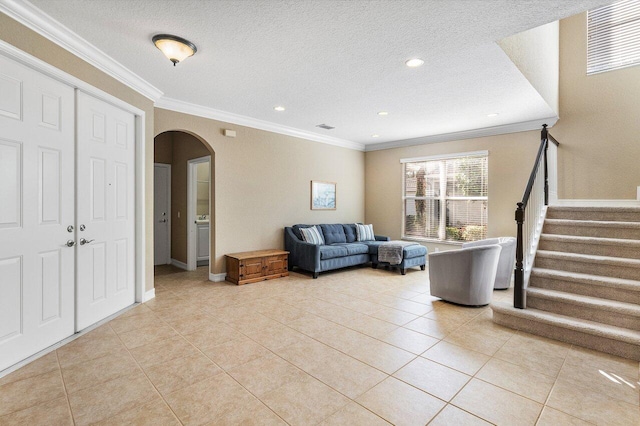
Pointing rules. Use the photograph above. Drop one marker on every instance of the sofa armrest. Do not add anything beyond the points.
(301, 254)
(382, 238)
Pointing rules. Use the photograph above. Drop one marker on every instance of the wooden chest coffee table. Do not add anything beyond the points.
(253, 266)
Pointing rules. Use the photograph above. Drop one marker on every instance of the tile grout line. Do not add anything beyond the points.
(146, 376)
(64, 385)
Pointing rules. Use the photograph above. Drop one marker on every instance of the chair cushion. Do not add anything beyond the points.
(331, 252)
(354, 248)
(365, 232)
(312, 235)
(350, 232)
(333, 233)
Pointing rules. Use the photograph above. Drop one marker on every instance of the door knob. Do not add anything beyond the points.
(71, 243)
(83, 241)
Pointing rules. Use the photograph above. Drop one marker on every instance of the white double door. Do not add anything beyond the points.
(52, 183)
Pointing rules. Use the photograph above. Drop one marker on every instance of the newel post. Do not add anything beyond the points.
(518, 278)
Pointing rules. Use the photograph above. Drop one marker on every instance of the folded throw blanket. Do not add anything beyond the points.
(391, 252)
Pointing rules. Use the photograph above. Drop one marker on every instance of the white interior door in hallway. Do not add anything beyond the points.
(105, 210)
(36, 212)
(161, 214)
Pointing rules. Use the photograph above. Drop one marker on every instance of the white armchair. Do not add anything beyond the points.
(507, 261)
(464, 276)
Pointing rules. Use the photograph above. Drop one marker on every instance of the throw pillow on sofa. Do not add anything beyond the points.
(365, 232)
(312, 235)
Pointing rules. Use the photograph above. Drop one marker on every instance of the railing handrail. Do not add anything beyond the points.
(519, 272)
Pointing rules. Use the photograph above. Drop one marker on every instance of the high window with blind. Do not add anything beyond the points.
(614, 36)
(445, 198)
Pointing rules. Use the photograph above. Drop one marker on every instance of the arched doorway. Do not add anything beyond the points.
(184, 171)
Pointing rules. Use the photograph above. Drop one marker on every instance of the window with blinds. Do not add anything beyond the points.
(614, 36)
(445, 198)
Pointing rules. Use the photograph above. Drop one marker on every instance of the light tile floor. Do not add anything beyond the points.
(354, 347)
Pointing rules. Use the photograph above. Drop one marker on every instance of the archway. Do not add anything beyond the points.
(187, 210)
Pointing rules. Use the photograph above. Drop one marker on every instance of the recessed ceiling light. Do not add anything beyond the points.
(279, 108)
(383, 113)
(375, 136)
(493, 114)
(414, 62)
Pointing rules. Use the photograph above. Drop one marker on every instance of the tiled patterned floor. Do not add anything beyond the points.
(358, 346)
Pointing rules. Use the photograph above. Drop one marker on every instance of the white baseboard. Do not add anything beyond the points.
(179, 264)
(151, 294)
(217, 277)
(596, 203)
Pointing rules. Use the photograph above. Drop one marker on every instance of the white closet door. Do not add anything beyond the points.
(105, 210)
(36, 207)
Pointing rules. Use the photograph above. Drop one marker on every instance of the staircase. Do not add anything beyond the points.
(584, 287)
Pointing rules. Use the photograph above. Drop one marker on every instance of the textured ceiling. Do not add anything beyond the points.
(331, 61)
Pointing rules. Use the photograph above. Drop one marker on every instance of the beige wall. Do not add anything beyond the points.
(184, 147)
(261, 183)
(536, 54)
(599, 126)
(510, 160)
(24, 39)
(163, 148)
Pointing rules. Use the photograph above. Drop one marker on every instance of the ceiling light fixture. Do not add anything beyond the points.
(383, 113)
(279, 108)
(414, 62)
(493, 114)
(175, 48)
(375, 136)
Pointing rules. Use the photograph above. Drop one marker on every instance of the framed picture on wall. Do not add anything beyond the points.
(323, 195)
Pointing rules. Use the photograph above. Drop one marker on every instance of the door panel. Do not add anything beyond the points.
(161, 214)
(105, 185)
(36, 206)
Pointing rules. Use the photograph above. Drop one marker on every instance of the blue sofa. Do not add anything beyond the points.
(341, 249)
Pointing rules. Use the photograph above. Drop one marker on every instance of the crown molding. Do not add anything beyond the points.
(523, 126)
(38, 21)
(242, 120)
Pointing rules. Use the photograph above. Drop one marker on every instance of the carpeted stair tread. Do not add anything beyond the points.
(576, 324)
(589, 258)
(593, 223)
(631, 285)
(591, 240)
(586, 302)
(629, 213)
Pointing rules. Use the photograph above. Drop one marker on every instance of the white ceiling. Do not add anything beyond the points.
(337, 62)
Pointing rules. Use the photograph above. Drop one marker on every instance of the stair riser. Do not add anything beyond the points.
(593, 231)
(586, 289)
(592, 268)
(594, 249)
(603, 344)
(589, 313)
(594, 215)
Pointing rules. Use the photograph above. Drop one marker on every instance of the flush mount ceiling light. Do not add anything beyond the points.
(175, 48)
(414, 62)
(279, 108)
(493, 114)
(375, 136)
(383, 113)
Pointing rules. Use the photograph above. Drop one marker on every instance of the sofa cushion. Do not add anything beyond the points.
(350, 232)
(331, 252)
(365, 232)
(312, 235)
(333, 233)
(373, 246)
(296, 230)
(354, 248)
(417, 250)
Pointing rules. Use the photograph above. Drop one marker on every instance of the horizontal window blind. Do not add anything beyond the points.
(614, 36)
(446, 198)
